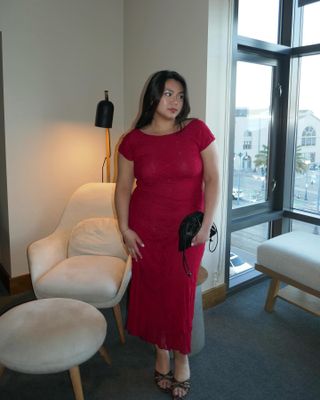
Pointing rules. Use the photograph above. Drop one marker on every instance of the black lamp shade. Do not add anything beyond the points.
(104, 115)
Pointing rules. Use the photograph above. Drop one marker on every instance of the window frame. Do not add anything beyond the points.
(268, 210)
(278, 211)
(288, 52)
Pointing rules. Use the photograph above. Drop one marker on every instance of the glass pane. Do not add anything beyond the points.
(304, 227)
(307, 157)
(311, 26)
(252, 125)
(258, 19)
(243, 252)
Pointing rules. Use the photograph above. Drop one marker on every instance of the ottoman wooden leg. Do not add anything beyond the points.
(104, 354)
(76, 382)
(1, 370)
(118, 317)
(272, 294)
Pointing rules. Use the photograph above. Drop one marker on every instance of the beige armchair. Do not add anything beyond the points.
(84, 258)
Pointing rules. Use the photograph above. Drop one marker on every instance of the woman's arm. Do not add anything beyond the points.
(124, 186)
(211, 191)
(123, 191)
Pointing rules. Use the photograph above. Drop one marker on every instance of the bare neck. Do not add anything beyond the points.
(162, 126)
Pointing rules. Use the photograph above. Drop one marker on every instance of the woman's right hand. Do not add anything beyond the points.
(133, 242)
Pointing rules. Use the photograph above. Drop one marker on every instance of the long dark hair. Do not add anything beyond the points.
(153, 94)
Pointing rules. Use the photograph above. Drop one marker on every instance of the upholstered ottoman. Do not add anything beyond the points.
(198, 332)
(293, 258)
(51, 335)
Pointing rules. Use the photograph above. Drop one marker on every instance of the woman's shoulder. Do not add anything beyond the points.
(129, 138)
(195, 123)
(199, 131)
(130, 135)
(188, 121)
(132, 132)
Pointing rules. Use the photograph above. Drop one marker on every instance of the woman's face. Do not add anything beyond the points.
(171, 101)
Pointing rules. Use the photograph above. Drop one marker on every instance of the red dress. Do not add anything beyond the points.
(169, 174)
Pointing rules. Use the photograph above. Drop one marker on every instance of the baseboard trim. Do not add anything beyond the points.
(214, 296)
(16, 285)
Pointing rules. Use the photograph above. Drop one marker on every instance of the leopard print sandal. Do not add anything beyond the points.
(158, 378)
(185, 386)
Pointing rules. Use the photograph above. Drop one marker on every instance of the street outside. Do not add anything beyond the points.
(250, 188)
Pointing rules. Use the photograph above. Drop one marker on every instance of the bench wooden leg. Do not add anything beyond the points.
(272, 294)
(76, 383)
(118, 317)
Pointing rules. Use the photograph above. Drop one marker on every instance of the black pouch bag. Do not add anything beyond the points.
(188, 229)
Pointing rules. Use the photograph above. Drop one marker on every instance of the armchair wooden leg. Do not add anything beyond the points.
(272, 294)
(104, 354)
(76, 382)
(118, 317)
(2, 368)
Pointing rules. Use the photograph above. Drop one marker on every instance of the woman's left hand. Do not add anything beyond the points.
(201, 237)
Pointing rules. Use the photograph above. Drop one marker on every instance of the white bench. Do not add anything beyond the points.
(292, 258)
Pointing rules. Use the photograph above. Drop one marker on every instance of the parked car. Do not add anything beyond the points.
(237, 265)
(314, 167)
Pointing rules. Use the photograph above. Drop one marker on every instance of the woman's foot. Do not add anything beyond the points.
(180, 390)
(163, 381)
(181, 381)
(163, 376)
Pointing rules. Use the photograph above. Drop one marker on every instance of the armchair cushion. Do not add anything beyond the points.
(96, 236)
(92, 279)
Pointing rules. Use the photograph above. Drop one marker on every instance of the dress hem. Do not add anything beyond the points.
(153, 342)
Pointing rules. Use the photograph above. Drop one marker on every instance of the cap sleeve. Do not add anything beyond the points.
(126, 147)
(205, 136)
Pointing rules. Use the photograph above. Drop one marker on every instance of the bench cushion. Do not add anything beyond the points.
(295, 255)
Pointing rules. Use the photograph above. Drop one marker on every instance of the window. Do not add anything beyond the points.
(307, 155)
(243, 251)
(311, 27)
(274, 178)
(258, 19)
(308, 136)
(253, 94)
(305, 227)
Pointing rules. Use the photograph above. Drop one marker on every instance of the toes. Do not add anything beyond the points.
(163, 381)
(165, 384)
(180, 389)
(180, 393)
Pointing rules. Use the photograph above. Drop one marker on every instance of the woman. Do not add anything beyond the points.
(174, 162)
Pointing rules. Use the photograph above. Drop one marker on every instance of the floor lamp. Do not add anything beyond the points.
(104, 117)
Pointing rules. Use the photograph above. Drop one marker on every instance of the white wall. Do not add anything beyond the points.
(165, 34)
(174, 35)
(4, 223)
(58, 57)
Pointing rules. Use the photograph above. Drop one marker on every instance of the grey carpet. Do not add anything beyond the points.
(249, 354)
